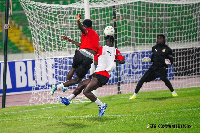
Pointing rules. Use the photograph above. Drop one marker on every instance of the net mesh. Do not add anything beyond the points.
(138, 23)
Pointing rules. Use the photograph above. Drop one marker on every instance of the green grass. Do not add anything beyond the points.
(122, 115)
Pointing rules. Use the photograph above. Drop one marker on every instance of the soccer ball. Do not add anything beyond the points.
(109, 30)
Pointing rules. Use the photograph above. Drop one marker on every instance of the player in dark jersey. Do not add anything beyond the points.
(83, 57)
(161, 58)
(105, 61)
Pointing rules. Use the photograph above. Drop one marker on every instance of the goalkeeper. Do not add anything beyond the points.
(161, 58)
(83, 57)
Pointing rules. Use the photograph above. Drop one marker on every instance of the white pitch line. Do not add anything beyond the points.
(90, 116)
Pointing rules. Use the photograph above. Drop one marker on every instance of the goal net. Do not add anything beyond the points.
(138, 23)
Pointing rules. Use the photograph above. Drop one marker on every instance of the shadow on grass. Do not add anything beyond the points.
(159, 98)
(79, 123)
(101, 119)
(81, 105)
(72, 124)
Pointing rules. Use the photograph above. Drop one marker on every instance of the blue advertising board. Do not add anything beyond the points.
(24, 75)
(20, 76)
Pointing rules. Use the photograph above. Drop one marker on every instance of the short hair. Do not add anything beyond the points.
(111, 38)
(87, 22)
(161, 35)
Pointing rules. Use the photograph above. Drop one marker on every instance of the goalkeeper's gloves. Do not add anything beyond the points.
(146, 59)
(167, 62)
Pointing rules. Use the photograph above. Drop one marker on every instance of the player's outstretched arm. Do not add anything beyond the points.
(80, 26)
(70, 40)
(122, 61)
(119, 58)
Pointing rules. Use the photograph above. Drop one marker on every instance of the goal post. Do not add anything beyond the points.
(138, 22)
(115, 36)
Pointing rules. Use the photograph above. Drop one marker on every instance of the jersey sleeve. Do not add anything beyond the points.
(170, 55)
(118, 55)
(99, 52)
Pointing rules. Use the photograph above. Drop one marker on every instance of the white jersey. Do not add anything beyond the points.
(106, 59)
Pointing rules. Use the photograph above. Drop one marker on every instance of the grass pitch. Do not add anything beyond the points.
(154, 112)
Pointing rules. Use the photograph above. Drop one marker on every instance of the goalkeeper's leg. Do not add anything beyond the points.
(163, 77)
(139, 85)
(147, 77)
(169, 85)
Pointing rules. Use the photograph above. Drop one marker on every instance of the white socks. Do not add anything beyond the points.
(71, 97)
(60, 86)
(134, 94)
(98, 102)
(174, 92)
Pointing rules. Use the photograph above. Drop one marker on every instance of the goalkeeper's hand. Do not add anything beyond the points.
(167, 62)
(146, 59)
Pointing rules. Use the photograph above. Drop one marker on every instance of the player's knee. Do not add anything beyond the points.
(77, 79)
(85, 92)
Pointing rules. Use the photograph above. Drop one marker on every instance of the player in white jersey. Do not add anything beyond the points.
(105, 59)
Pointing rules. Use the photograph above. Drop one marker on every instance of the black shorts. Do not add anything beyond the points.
(81, 63)
(153, 73)
(102, 80)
